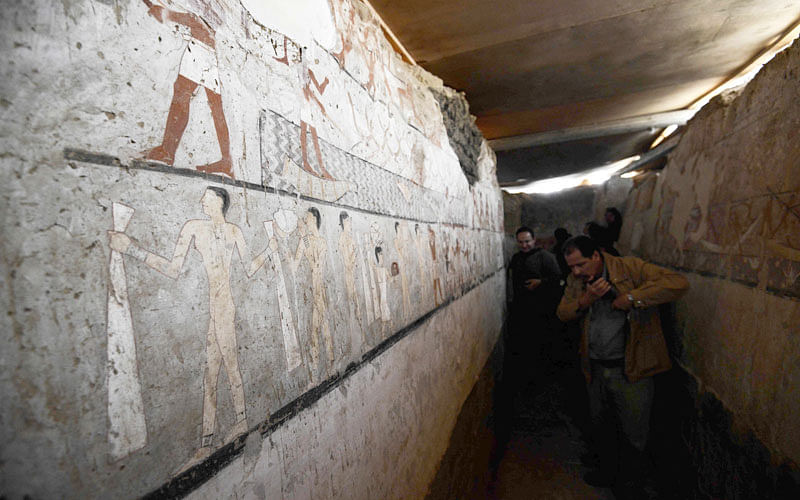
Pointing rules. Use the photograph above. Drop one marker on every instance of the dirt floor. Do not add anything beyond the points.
(543, 444)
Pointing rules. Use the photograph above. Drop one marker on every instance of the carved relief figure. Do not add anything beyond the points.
(314, 248)
(382, 277)
(401, 244)
(369, 315)
(423, 254)
(312, 94)
(215, 239)
(198, 68)
(369, 243)
(278, 230)
(437, 284)
(348, 253)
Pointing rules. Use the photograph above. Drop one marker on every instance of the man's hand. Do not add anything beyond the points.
(119, 241)
(594, 291)
(622, 303)
(532, 283)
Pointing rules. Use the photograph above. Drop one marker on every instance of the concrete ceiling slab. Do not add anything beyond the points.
(531, 67)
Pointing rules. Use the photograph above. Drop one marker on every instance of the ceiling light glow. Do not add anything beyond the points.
(592, 177)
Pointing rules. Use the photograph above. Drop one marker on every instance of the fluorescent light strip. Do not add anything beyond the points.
(592, 177)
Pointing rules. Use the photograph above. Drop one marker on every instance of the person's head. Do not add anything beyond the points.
(525, 239)
(317, 217)
(214, 200)
(378, 254)
(594, 231)
(584, 258)
(613, 216)
(561, 235)
(343, 217)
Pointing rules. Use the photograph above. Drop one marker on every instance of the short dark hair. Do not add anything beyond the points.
(342, 217)
(615, 212)
(596, 231)
(524, 229)
(561, 234)
(316, 215)
(226, 199)
(378, 251)
(586, 245)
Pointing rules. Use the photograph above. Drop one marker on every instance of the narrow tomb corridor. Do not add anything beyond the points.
(259, 249)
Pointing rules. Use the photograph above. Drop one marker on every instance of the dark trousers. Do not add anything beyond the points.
(620, 418)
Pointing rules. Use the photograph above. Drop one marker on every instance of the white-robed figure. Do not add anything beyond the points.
(215, 240)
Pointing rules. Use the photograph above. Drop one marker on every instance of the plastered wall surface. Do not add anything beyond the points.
(239, 253)
(420, 369)
(725, 211)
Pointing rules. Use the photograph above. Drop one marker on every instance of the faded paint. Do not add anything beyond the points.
(231, 325)
(725, 210)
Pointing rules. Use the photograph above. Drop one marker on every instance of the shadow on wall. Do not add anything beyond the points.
(698, 452)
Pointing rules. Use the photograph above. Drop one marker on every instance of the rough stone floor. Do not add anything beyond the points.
(544, 445)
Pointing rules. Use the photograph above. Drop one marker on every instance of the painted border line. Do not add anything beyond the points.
(784, 293)
(188, 481)
(83, 156)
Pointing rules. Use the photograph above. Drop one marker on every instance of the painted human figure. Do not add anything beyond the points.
(437, 284)
(348, 253)
(382, 278)
(401, 244)
(278, 230)
(371, 307)
(422, 262)
(198, 68)
(312, 246)
(215, 240)
(313, 112)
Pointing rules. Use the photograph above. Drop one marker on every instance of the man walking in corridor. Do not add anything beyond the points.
(535, 277)
(622, 347)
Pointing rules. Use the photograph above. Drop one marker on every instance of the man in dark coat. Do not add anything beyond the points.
(535, 277)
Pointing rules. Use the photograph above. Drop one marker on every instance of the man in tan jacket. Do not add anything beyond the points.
(621, 347)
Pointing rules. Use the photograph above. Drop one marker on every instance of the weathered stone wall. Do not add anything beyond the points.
(724, 211)
(239, 254)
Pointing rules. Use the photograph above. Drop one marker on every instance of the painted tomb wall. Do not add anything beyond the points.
(239, 254)
(726, 212)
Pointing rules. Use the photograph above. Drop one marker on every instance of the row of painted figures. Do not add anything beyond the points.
(362, 255)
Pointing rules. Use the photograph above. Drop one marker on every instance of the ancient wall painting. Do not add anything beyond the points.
(349, 255)
(364, 210)
(382, 276)
(402, 243)
(420, 240)
(127, 430)
(751, 240)
(385, 271)
(278, 231)
(314, 249)
(215, 239)
(198, 69)
(438, 293)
